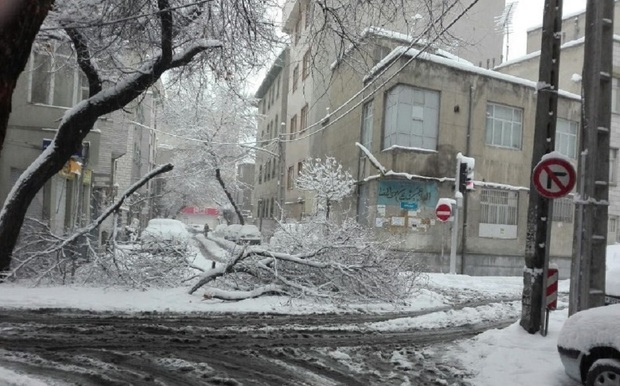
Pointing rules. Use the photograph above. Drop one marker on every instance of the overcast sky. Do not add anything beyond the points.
(529, 14)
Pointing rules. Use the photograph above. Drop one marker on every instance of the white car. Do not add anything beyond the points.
(165, 229)
(589, 346)
(249, 234)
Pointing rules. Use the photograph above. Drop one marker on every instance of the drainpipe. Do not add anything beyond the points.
(465, 196)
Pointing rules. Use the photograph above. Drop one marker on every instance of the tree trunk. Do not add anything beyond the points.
(230, 197)
(20, 21)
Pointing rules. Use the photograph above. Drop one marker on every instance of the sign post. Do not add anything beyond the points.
(553, 177)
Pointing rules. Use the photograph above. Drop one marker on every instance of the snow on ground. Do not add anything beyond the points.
(507, 357)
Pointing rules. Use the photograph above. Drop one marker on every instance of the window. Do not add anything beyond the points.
(300, 167)
(278, 87)
(273, 169)
(297, 32)
(289, 177)
(615, 95)
(498, 213)
(367, 125)
(295, 76)
(268, 171)
(613, 166)
(411, 118)
(271, 205)
(276, 126)
(308, 15)
(305, 68)
(303, 120)
(566, 137)
(613, 229)
(504, 126)
(293, 126)
(260, 174)
(563, 209)
(53, 82)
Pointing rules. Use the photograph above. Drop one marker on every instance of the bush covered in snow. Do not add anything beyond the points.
(324, 259)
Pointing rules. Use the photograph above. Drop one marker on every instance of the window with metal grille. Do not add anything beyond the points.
(504, 126)
(498, 206)
(563, 209)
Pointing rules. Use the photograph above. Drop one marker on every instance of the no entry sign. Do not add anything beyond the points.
(443, 212)
(554, 177)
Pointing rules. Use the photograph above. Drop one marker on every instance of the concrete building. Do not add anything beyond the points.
(44, 92)
(571, 66)
(313, 50)
(273, 139)
(118, 150)
(414, 122)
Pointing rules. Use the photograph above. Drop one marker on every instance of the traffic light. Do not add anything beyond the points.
(466, 173)
(462, 177)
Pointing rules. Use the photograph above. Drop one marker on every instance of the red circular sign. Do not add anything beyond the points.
(443, 212)
(554, 177)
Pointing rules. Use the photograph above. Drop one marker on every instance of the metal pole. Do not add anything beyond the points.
(455, 221)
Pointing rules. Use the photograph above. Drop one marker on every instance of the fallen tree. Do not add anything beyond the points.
(41, 254)
(322, 259)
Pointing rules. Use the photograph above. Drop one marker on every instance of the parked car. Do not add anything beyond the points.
(249, 234)
(231, 232)
(165, 229)
(589, 346)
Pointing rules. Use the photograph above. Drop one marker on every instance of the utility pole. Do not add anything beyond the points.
(587, 288)
(540, 210)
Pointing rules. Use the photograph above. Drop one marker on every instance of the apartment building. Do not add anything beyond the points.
(315, 47)
(118, 150)
(414, 121)
(273, 140)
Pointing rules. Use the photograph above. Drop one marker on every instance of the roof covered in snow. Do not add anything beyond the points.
(419, 55)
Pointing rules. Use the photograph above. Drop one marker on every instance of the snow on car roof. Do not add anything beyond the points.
(592, 328)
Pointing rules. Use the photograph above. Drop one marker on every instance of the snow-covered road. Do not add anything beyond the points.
(88, 348)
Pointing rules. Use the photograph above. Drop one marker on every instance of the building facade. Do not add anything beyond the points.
(414, 121)
(315, 47)
(46, 90)
(571, 66)
(273, 139)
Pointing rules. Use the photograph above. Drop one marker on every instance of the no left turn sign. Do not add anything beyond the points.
(554, 177)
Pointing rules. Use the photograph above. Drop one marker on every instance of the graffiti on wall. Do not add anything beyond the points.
(408, 194)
